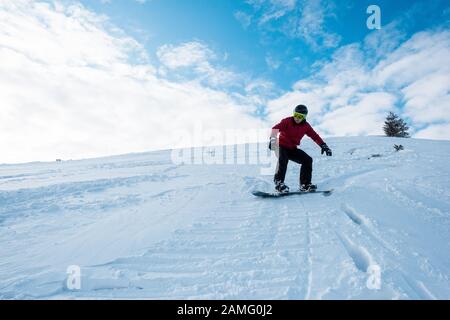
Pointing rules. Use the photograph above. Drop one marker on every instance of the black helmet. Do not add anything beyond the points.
(301, 109)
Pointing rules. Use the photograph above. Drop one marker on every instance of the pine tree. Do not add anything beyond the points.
(394, 126)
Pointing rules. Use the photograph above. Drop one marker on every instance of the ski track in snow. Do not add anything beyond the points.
(363, 259)
(141, 227)
(202, 264)
(360, 256)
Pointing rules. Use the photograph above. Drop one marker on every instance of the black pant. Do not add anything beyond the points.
(296, 155)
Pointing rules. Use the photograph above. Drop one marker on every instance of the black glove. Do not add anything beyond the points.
(325, 149)
(272, 143)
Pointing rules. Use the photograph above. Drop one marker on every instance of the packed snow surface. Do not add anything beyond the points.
(143, 226)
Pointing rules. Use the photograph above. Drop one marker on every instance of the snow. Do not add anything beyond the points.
(142, 226)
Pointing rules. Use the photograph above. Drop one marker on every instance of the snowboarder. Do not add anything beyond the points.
(291, 131)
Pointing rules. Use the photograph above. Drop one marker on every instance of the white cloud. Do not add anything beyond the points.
(196, 59)
(74, 86)
(351, 94)
(311, 26)
(185, 55)
(244, 19)
(382, 42)
(362, 117)
(272, 63)
(419, 69)
(427, 99)
(302, 19)
(422, 54)
(436, 131)
(277, 9)
(259, 85)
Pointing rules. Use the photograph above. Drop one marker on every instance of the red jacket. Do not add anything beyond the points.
(291, 133)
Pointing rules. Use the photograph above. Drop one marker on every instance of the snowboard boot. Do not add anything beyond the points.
(308, 187)
(281, 187)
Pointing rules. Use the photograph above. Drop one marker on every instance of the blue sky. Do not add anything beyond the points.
(234, 29)
(107, 77)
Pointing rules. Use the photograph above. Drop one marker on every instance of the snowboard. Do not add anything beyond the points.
(263, 194)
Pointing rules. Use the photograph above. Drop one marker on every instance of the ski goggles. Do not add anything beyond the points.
(299, 116)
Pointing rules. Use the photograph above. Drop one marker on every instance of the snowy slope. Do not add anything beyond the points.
(140, 226)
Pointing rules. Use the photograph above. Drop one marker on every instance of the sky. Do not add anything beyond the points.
(92, 78)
